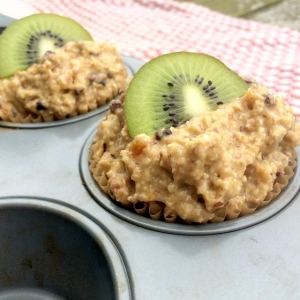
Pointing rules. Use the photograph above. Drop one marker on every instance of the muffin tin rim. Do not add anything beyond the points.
(42, 125)
(93, 227)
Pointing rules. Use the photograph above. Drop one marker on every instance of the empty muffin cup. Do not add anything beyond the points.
(51, 251)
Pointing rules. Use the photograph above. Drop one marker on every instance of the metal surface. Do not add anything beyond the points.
(45, 163)
(258, 262)
(27, 294)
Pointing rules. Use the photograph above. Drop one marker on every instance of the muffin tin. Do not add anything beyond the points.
(50, 204)
(51, 251)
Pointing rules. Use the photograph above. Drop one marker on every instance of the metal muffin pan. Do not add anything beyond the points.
(40, 171)
(51, 251)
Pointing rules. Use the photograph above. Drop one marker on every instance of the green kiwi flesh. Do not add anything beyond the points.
(172, 88)
(25, 41)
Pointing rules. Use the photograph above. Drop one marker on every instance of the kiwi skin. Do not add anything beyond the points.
(26, 40)
(172, 88)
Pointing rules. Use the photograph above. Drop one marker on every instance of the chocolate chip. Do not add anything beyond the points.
(162, 133)
(167, 132)
(78, 92)
(102, 82)
(269, 99)
(201, 200)
(48, 55)
(110, 75)
(40, 106)
(115, 104)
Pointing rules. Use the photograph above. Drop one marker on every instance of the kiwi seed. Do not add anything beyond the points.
(25, 41)
(172, 88)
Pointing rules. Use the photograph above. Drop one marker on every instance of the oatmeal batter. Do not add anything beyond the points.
(228, 158)
(75, 79)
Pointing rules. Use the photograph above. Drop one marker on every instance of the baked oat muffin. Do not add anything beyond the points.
(74, 79)
(223, 164)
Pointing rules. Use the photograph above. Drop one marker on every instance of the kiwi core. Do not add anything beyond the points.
(194, 101)
(25, 41)
(40, 43)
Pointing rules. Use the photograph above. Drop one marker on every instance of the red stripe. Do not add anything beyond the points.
(147, 28)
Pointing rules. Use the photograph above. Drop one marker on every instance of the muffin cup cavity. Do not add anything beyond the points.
(30, 122)
(152, 216)
(51, 251)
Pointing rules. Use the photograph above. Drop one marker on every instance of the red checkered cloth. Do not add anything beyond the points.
(145, 29)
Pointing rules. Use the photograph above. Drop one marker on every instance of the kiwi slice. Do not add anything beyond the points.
(172, 88)
(25, 41)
